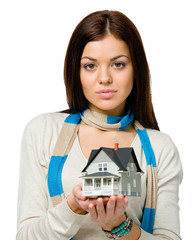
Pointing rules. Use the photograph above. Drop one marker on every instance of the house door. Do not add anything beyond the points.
(129, 189)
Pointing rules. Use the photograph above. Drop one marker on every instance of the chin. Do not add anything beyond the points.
(108, 107)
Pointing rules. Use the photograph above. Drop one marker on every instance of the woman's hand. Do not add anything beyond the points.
(108, 211)
(111, 214)
(80, 204)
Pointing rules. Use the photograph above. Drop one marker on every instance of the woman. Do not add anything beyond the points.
(107, 77)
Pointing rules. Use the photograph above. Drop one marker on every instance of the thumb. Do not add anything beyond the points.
(77, 192)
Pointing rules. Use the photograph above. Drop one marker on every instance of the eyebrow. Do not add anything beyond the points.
(112, 59)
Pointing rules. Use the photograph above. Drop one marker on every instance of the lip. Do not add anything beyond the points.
(106, 93)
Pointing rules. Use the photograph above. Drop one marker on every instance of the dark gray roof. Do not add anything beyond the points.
(120, 157)
(100, 174)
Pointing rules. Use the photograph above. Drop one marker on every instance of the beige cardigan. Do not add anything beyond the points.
(38, 220)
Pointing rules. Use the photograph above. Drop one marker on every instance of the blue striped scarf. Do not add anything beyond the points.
(104, 122)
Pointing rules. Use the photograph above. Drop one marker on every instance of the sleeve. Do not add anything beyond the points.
(170, 173)
(36, 221)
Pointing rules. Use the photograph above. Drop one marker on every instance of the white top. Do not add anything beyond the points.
(39, 220)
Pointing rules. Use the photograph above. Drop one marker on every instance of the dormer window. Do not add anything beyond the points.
(132, 167)
(102, 167)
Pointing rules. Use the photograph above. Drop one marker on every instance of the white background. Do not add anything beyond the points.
(33, 40)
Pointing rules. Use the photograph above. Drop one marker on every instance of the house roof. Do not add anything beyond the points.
(120, 157)
(100, 174)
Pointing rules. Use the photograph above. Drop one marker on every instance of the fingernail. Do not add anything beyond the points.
(91, 206)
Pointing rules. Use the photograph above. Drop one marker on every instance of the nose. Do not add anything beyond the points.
(104, 76)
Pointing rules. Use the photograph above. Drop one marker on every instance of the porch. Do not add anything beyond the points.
(100, 186)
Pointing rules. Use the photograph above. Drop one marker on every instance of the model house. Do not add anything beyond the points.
(111, 171)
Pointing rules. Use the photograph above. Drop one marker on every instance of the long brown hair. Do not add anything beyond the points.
(94, 27)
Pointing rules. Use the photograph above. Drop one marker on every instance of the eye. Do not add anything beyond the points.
(90, 66)
(119, 65)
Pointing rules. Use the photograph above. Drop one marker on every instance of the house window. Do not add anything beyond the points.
(102, 167)
(129, 189)
(132, 166)
(134, 183)
(105, 167)
(128, 169)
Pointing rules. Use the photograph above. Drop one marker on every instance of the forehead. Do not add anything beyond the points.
(109, 46)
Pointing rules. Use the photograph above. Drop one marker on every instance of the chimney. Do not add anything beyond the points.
(116, 146)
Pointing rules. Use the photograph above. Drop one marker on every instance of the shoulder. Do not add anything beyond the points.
(159, 139)
(41, 133)
(46, 121)
(161, 143)
(166, 154)
(163, 146)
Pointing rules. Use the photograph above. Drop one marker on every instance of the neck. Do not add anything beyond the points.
(113, 112)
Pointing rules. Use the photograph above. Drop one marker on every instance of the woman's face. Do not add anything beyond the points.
(106, 75)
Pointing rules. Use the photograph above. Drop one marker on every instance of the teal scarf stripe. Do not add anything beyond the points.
(150, 157)
(148, 220)
(54, 177)
(73, 118)
(124, 121)
(113, 119)
(149, 213)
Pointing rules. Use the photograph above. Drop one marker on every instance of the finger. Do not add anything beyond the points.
(100, 210)
(110, 207)
(92, 212)
(77, 191)
(80, 192)
(126, 202)
(106, 199)
(120, 205)
(120, 201)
